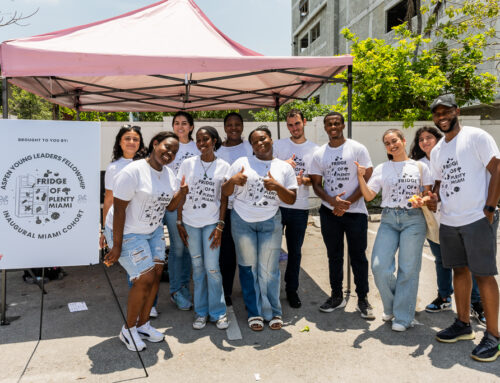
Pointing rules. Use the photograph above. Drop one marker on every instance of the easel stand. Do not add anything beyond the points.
(121, 312)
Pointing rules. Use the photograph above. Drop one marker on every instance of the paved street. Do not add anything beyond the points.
(339, 346)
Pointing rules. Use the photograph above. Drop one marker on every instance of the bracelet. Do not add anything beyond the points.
(218, 228)
(178, 222)
(221, 222)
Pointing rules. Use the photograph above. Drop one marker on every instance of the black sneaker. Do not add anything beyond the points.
(293, 299)
(488, 350)
(477, 312)
(365, 309)
(333, 303)
(457, 331)
(439, 304)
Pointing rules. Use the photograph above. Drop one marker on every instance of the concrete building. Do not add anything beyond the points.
(316, 26)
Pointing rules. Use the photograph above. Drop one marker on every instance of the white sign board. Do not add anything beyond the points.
(49, 193)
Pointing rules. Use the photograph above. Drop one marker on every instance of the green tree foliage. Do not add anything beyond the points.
(309, 108)
(28, 106)
(398, 80)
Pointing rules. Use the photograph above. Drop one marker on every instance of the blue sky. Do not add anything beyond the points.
(261, 25)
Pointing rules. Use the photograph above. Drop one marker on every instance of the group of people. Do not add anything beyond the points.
(228, 202)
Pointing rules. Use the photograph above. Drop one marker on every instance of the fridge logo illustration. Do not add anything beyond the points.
(47, 196)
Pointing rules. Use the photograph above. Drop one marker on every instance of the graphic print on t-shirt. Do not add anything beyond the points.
(337, 175)
(153, 209)
(202, 191)
(403, 188)
(452, 177)
(178, 160)
(257, 194)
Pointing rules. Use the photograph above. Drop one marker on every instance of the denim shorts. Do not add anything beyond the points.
(140, 252)
(473, 246)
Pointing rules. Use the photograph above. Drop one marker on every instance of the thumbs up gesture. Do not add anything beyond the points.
(270, 182)
(361, 169)
(184, 189)
(291, 161)
(300, 179)
(240, 178)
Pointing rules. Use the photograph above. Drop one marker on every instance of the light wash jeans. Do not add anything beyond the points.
(404, 229)
(258, 246)
(208, 292)
(179, 260)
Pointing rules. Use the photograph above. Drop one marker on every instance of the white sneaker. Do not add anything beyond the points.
(199, 323)
(146, 331)
(400, 328)
(222, 323)
(387, 317)
(153, 313)
(125, 338)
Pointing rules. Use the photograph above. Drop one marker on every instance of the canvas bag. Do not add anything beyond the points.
(430, 220)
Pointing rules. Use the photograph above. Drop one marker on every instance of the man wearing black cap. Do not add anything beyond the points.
(466, 166)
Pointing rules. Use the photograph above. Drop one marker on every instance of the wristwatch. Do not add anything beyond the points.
(489, 208)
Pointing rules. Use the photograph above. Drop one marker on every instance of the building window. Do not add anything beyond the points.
(303, 9)
(314, 32)
(399, 13)
(304, 42)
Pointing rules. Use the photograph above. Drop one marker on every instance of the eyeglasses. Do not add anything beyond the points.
(130, 126)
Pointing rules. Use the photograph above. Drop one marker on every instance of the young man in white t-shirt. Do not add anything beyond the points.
(466, 167)
(297, 151)
(343, 210)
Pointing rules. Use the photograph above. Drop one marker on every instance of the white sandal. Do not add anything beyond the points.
(276, 323)
(256, 323)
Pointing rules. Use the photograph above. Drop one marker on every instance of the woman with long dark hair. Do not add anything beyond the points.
(402, 227)
(134, 232)
(259, 183)
(179, 260)
(202, 226)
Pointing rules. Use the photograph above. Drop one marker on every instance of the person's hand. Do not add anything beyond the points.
(183, 234)
(239, 179)
(184, 189)
(490, 215)
(270, 183)
(291, 161)
(102, 241)
(339, 205)
(431, 201)
(216, 237)
(300, 178)
(416, 201)
(112, 257)
(361, 169)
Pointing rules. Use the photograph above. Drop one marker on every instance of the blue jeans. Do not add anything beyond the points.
(294, 222)
(208, 293)
(403, 229)
(179, 260)
(445, 276)
(258, 246)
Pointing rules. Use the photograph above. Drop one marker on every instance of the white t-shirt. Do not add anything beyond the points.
(202, 206)
(460, 165)
(285, 149)
(113, 169)
(231, 154)
(149, 192)
(253, 202)
(399, 182)
(185, 151)
(339, 172)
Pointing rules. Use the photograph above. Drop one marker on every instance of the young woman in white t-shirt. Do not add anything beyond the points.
(179, 260)
(134, 231)
(401, 226)
(259, 183)
(128, 147)
(202, 226)
(231, 149)
(425, 139)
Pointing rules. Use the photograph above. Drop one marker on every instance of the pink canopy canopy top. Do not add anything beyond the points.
(163, 57)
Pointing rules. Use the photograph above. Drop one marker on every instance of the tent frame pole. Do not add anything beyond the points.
(3, 308)
(277, 110)
(349, 135)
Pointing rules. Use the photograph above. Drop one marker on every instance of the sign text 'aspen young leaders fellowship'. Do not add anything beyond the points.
(49, 193)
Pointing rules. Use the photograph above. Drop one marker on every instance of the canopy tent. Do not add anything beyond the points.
(164, 57)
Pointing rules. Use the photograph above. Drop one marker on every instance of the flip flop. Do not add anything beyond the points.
(256, 323)
(276, 323)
